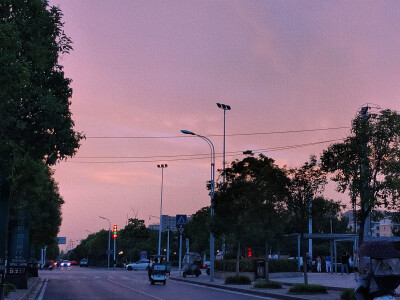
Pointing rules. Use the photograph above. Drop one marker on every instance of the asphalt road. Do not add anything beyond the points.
(94, 283)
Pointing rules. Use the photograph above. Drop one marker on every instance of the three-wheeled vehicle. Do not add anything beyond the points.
(157, 269)
(379, 271)
(191, 264)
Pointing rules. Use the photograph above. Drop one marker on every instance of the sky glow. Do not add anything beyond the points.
(144, 70)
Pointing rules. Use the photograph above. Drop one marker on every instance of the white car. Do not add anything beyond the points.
(65, 263)
(139, 265)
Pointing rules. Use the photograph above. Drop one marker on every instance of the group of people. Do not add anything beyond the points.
(345, 260)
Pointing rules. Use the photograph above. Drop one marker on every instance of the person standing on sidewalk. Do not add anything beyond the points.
(345, 262)
(318, 264)
(328, 264)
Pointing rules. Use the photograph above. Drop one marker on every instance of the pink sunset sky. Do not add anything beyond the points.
(144, 70)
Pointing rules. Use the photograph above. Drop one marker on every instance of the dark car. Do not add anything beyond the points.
(84, 263)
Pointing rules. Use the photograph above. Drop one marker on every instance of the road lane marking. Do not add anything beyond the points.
(43, 290)
(131, 288)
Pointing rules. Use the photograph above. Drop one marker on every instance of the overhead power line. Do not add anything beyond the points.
(168, 158)
(217, 135)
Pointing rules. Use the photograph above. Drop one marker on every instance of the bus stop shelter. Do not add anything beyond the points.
(333, 239)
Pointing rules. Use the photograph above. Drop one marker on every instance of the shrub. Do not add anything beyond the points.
(250, 265)
(9, 287)
(348, 294)
(282, 265)
(237, 279)
(268, 285)
(301, 288)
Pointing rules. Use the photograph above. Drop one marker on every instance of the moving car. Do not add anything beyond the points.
(139, 265)
(84, 263)
(65, 263)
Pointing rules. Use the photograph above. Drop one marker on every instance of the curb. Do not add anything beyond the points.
(244, 291)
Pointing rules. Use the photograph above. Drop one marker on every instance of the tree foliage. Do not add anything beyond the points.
(36, 126)
(367, 163)
(248, 206)
(305, 184)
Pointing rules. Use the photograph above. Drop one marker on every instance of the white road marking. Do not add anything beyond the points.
(139, 291)
(43, 290)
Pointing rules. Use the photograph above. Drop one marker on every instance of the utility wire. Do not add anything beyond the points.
(197, 156)
(217, 135)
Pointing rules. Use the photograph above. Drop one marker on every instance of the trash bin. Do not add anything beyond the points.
(260, 271)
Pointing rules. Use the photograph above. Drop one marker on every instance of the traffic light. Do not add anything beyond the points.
(114, 233)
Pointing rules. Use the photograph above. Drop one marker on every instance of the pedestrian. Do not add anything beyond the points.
(328, 264)
(318, 264)
(345, 262)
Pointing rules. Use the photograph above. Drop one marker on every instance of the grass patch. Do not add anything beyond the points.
(348, 294)
(9, 287)
(268, 285)
(301, 288)
(237, 279)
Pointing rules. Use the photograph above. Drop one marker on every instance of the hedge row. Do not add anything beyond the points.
(250, 265)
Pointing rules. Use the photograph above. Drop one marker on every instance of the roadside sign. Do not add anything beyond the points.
(62, 240)
(180, 220)
(108, 252)
(181, 230)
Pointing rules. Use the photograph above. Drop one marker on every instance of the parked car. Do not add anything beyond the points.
(84, 263)
(139, 265)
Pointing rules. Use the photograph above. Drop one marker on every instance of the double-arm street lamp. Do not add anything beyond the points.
(211, 196)
(109, 234)
(162, 167)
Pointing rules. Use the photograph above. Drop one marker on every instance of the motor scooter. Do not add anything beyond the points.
(378, 271)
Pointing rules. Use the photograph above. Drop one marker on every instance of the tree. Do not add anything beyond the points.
(305, 183)
(247, 206)
(36, 126)
(197, 230)
(367, 163)
(35, 115)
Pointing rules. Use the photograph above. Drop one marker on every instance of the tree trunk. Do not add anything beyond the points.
(237, 259)
(361, 232)
(266, 262)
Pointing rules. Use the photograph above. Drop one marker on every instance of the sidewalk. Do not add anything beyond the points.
(34, 284)
(335, 284)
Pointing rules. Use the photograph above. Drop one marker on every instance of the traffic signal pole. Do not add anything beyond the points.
(114, 252)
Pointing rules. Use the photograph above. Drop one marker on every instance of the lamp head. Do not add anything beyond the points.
(187, 132)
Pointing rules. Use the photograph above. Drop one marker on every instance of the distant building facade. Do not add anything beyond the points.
(383, 227)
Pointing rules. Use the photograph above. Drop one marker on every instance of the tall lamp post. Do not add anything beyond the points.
(225, 108)
(162, 167)
(109, 234)
(211, 197)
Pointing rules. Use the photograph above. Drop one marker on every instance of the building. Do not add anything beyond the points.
(383, 227)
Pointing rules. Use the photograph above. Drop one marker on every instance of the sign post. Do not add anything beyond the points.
(180, 252)
(180, 224)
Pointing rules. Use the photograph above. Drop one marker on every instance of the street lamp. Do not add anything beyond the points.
(211, 197)
(109, 234)
(225, 108)
(162, 166)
